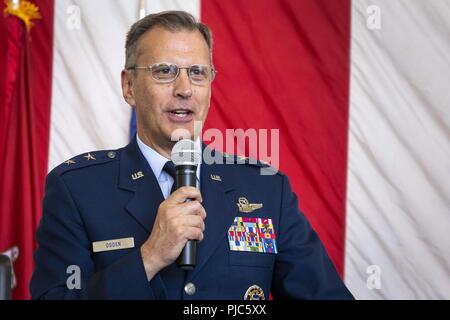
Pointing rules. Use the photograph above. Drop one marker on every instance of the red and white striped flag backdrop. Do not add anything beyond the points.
(358, 90)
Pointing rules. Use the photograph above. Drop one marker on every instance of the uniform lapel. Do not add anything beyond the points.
(143, 204)
(220, 211)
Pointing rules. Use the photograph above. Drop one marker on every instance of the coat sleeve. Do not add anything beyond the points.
(303, 269)
(63, 242)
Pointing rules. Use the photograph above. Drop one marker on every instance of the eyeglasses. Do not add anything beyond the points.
(166, 72)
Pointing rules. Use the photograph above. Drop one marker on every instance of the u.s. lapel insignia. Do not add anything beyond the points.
(215, 177)
(245, 206)
(89, 157)
(254, 293)
(137, 175)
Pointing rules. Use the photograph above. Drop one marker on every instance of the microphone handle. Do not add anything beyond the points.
(186, 175)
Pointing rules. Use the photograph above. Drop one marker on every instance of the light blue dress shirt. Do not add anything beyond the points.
(157, 162)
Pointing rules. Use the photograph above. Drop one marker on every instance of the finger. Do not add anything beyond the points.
(193, 208)
(182, 194)
(192, 221)
(192, 233)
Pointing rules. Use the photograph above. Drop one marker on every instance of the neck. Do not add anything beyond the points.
(163, 149)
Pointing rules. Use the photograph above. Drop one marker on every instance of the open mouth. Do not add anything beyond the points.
(181, 113)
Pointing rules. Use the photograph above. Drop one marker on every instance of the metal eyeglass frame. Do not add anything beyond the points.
(150, 67)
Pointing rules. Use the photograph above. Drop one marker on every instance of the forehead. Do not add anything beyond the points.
(181, 47)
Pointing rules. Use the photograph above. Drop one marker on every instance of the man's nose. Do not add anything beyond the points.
(182, 85)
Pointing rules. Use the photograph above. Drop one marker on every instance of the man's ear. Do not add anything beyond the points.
(127, 79)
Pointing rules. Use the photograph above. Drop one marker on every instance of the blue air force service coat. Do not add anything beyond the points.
(99, 208)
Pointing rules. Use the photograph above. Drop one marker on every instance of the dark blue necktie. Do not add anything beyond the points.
(169, 167)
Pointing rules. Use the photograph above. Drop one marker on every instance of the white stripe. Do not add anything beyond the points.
(398, 193)
(88, 111)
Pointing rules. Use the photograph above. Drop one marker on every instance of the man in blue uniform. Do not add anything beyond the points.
(110, 217)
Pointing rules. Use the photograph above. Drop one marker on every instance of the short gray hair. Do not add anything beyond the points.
(170, 20)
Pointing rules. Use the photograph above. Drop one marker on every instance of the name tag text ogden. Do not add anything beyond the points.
(115, 244)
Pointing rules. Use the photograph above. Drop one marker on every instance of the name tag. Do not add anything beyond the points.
(115, 244)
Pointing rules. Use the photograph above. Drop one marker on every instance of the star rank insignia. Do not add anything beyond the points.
(89, 156)
(245, 206)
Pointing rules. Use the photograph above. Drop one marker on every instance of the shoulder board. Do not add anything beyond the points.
(232, 158)
(229, 158)
(87, 159)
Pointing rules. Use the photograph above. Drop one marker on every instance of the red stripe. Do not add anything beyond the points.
(24, 135)
(285, 64)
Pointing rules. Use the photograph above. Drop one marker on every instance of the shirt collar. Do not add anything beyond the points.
(157, 161)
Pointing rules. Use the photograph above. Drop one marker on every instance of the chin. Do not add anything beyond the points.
(180, 130)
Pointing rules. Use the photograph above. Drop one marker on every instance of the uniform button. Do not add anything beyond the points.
(111, 154)
(190, 289)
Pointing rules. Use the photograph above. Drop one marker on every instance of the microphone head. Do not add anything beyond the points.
(185, 152)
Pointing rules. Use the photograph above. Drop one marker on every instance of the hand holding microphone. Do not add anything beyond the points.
(179, 223)
(186, 159)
